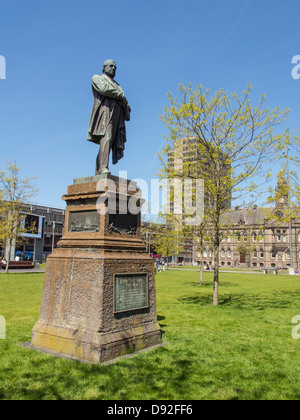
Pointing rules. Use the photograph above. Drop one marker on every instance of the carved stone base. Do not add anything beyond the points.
(99, 298)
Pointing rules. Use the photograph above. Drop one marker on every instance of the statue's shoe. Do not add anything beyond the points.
(106, 171)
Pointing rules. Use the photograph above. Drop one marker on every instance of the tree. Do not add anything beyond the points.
(200, 234)
(15, 192)
(166, 236)
(225, 141)
(286, 196)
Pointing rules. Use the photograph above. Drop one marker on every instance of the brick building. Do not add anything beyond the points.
(38, 247)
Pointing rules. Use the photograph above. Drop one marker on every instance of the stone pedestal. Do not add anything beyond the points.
(99, 298)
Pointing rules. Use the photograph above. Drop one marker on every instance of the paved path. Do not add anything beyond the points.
(42, 270)
(28, 270)
(220, 271)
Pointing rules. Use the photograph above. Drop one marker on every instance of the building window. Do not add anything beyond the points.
(288, 255)
(284, 236)
(278, 235)
(261, 236)
(254, 236)
(255, 253)
(273, 254)
(223, 253)
(261, 253)
(238, 237)
(229, 253)
(205, 253)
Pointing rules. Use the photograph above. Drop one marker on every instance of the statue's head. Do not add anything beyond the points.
(109, 68)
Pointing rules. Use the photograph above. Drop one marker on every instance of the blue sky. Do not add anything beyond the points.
(52, 49)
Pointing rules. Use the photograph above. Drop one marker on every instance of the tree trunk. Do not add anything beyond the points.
(8, 257)
(216, 276)
(168, 256)
(201, 268)
(216, 287)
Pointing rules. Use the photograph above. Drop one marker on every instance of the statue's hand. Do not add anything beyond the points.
(127, 113)
(123, 102)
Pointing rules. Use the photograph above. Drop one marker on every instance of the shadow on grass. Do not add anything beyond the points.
(241, 301)
(162, 326)
(165, 376)
(207, 285)
(158, 374)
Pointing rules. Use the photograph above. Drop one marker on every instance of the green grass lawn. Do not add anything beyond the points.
(242, 349)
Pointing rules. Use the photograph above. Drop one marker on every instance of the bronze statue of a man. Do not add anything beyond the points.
(109, 113)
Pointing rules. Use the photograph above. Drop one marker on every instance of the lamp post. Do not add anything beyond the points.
(53, 235)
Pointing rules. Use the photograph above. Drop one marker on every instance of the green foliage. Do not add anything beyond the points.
(234, 139)
(15, 191)
(286, 195)
(226, 141)
(166, 235)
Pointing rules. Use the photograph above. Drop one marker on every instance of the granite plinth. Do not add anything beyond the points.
(80, 316)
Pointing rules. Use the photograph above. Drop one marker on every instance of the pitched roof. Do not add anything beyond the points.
(246, 216)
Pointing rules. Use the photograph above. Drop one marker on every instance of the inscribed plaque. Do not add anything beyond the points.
(130, 292)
